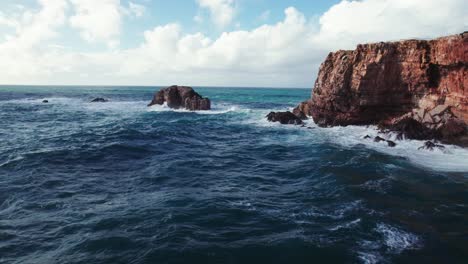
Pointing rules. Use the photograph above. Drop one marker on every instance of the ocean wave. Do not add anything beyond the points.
(370, 257)
(451, 159)
(219, 108)
(347, 225)
(397, 240)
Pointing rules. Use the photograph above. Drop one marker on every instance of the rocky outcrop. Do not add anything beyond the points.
(303, 109)
(390, 82)
(285, 118)
(181, 97)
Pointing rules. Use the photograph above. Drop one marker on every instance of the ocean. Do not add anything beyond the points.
(120, 182)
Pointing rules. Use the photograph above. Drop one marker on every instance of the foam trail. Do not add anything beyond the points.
(451, 159)
(220, 108)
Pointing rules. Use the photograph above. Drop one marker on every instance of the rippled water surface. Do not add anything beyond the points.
(119, 182)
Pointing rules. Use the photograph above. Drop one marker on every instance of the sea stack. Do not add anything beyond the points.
(181, 97)
(394, 84)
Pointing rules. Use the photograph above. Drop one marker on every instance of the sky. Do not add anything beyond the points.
(248, 43)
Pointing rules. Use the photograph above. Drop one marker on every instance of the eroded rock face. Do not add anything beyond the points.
(285, 118)
(379, 82)
(181, 97)
(386, 80)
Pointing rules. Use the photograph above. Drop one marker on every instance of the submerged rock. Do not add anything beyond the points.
(285, 118)
(99, 100)
(45, 101)
(177, 97)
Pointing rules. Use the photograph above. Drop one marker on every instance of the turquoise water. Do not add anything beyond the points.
(119, 182)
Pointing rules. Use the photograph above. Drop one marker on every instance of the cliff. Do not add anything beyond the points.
(385, 82)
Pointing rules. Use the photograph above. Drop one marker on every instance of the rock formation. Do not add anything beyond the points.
(393, 82)
(285, 118)
(181, 97)
(99, 100)
(431, 146)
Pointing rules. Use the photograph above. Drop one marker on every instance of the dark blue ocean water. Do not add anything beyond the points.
(119, 182)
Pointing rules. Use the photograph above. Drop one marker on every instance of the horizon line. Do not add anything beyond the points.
(157, 86)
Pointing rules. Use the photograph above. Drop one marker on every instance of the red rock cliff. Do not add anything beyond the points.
(381, 81)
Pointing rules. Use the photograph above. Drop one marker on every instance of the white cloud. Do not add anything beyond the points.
(21, 53)
(264, 16)
(351, 22)
(97, 20)
(136, 9)
(198, 18)
(222, 12)
(286, 53)
(32, 28)
(101, 21)
(7, 21)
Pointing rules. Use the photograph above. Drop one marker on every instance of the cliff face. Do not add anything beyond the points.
(382, 81)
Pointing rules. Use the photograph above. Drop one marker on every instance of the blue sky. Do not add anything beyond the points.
(201, 42)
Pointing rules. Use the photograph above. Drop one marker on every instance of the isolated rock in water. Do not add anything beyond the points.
(429, 145)
(45, 101)
(391, 143)
(181, 97)
(367, 137)
(99, 100)
(285, 118)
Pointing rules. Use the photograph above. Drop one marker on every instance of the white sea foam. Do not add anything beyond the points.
(216, 109)
(396, 239)
(51, 100)
(452, 158)
(346, 225)
(370, 257)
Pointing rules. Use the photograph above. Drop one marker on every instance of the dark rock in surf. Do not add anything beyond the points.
(45, 101)
(99, 100)
(410, 129)
(367, 137)
(285, 118)
(391, 143)
(177, 97)
(378, 139)
(429, 145)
